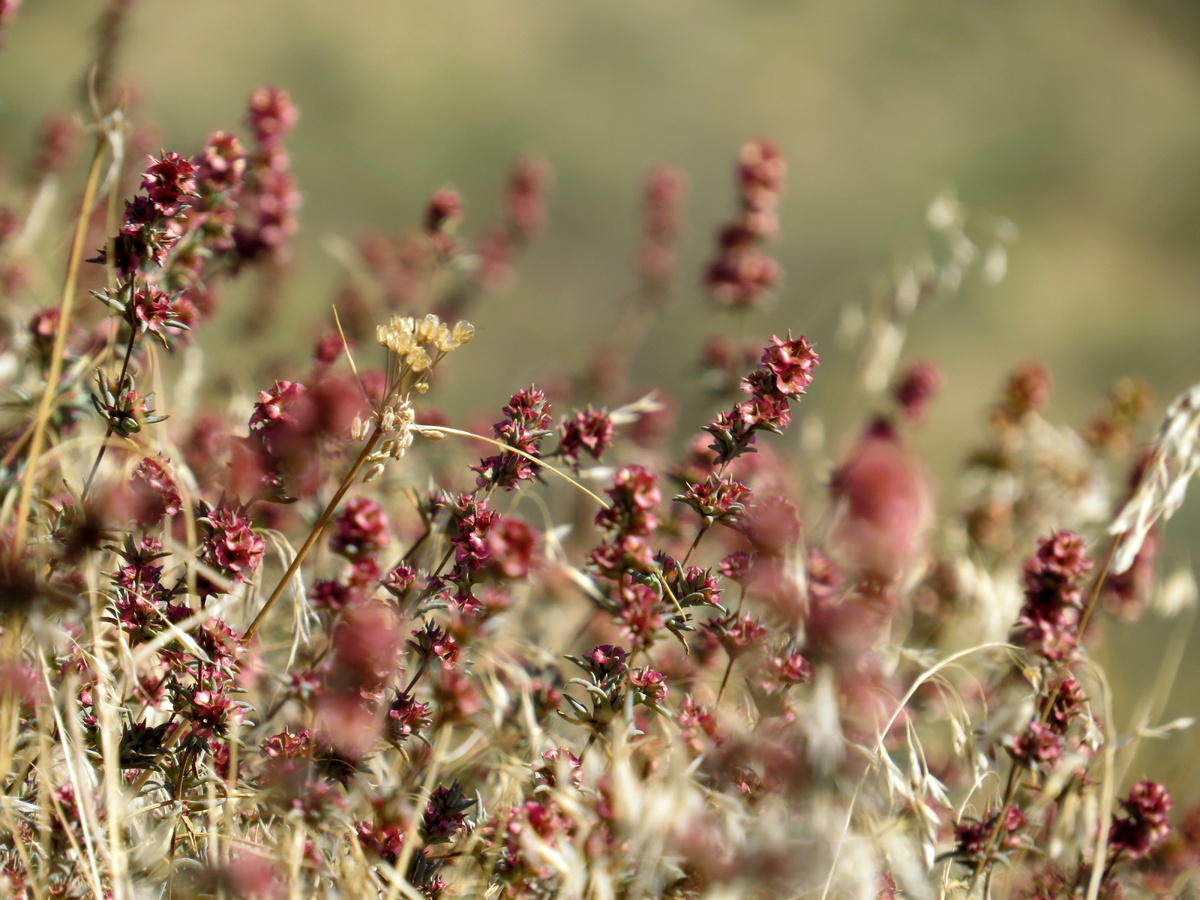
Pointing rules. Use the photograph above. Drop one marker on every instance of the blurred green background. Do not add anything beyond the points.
(1079, 121)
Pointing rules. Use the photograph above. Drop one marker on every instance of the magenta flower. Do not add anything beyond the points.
(212, 713)
(169, 183)
(511, 545)
(762, 172)
(792, 363)
(153, 485)
(606, 659)
(385, 841)
(741, 277)
(791, 669)
(230, 545)
(360, 528)
(525, 197)
(405, 717)
(1038, 746)
(917, 387)
(283, 416)
(883, 507)
(221, 165)
(526, 421)
(1145, 828)
(974, 838)
(589, 430)
(271, 116)
(651, 686)
(151, 309)
(1048, 621)
(444, 211)
(719, 499)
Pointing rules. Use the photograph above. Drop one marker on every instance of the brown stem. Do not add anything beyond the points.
(1101, 576)
(1048, 708)
(587, 746)
(87, 486)
(183, 770)
(37, 439)
(695, 543)
(412, 683)
(725, 679)
(314, 534)
(1010, 791)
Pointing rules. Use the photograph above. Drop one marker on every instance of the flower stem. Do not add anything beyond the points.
(87, 486)
(725, 679)
(1011, 788)
(38, 437)
(314, 534)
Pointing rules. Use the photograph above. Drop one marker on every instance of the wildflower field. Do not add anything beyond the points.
(335, 634)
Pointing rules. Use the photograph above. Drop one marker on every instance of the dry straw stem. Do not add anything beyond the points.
(410, 834)
(349, 479)
(314, 534)
(1160, 492)
(37, 439)
(878, 750)
(435, 431)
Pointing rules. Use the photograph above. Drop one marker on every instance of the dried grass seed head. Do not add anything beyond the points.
(1175, 458)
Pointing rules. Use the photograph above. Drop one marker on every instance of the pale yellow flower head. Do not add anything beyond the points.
(463, 332)
(411, 339)
(429, 329)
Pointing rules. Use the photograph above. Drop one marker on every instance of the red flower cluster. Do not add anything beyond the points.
(221, 165)
(973, 838)
(784, 373)
(270, 196)
(1037, 746)
(170, 184)
(882, 508)
(525, 198)
(443, 212)
(628, 523)
(590, 430)
(1145, 826)
(472, 545)
(526, 418)
(649, 686)
(639, 613)
(1049, 620)
(230, 546)
(741, 274)
(154, 487)
(211, 714)
(917, 387)
(718, 499)
(405, 717)
(360, 529)
(1027, 393)
(271, 116)
(662, 196)
(147, 235)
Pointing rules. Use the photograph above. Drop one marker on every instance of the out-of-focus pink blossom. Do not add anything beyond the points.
(882, 509)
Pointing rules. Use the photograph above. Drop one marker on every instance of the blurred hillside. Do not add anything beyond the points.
(1077, 121)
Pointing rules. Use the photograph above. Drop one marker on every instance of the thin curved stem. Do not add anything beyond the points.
(1011, 788)
(38, 437)
(87, 486)
(314, 534)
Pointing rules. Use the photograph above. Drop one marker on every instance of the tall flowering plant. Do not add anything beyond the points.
(333, 645)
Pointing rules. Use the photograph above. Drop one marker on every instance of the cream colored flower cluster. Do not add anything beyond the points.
(416, 346)
(412, 339)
